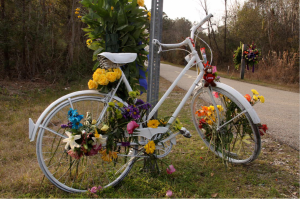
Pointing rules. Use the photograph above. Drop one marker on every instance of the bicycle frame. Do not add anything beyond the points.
(195, 59)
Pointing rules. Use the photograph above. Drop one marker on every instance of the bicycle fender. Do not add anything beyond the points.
(33, 127)
(242, 100)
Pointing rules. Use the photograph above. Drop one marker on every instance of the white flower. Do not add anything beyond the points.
(98, 139)
(71, 140)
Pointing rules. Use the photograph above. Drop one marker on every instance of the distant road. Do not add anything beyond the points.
(280, 111)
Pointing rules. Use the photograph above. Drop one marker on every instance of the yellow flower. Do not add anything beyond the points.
(89, 42)
(220, 108)
(92, 84)
(114, 154)
(111, 76)
(261, 98)
(94, 121)
(150, 147)
(79, 17)
(100, 71)
(112, 8)
(105, 127)
(102, 80)
(77, 9)
(119, 72)
(255, 98)
(153, 123)
(209, 121)
(76, 12)
(140, 2)
(212, 108)
(254, 92)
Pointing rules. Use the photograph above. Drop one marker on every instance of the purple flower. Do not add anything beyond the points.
(125, 143)
(64, 126)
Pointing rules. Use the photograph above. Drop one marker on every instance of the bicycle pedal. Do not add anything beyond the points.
(185, 132)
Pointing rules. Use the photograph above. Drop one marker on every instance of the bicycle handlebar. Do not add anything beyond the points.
(194, 28)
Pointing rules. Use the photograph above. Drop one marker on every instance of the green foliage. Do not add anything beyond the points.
(237, 56)
(118, 26)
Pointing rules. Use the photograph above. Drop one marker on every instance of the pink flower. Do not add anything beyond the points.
(169, 193)
(214, 69)
(131, 126)
(74, 154)
(171, 169)
(215, 94)
(95, 189)
(94, 150)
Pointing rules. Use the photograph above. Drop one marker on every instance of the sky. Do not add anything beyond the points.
(192, 10)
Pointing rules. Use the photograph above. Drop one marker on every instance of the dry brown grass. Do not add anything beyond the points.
(282, 68)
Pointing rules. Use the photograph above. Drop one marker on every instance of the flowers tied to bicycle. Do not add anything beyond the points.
(223, 139)
(89, 138)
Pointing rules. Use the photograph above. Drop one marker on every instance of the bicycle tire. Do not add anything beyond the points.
(211, 137)
(86, 173)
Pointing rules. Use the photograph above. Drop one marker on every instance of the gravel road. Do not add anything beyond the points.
(280, 110)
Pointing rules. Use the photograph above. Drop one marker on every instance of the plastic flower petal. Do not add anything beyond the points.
(261, 99)
(171, 169)
(153, 123)
(169, 193)
(105, 127)
(140, 3)
(131, 126)
(150, 147)
(255, 98)
(98, 139)
(215, 94)
(71, 140)
(254, 92)
(248, 97)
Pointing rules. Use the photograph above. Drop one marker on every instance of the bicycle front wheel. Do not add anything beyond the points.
(237, 139)
(71, 174)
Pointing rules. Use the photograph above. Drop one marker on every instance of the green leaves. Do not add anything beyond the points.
(120, 27)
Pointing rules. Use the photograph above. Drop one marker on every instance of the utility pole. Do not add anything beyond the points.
(154, 58)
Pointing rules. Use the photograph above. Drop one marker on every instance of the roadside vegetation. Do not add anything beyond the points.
(199, 174)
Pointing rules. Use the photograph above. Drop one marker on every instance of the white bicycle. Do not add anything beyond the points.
(230, 119)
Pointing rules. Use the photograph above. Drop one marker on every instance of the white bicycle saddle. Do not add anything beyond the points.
(119, 58)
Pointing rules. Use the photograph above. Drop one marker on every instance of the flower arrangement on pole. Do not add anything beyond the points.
(251, 55)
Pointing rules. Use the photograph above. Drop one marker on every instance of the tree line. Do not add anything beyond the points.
(43, 39)
(273, 25)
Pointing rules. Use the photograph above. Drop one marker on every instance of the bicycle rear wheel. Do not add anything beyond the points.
(78, 175)
(238, 139)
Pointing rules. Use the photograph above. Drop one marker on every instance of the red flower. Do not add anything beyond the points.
(248, 97)
(201, 122)
(264, 128)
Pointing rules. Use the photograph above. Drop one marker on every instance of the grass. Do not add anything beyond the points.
(199, 174)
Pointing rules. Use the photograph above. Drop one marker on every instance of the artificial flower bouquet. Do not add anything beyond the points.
(251, 55)
(207, 116)
(88, 139)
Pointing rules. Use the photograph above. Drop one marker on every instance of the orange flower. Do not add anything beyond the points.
(248, 97)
